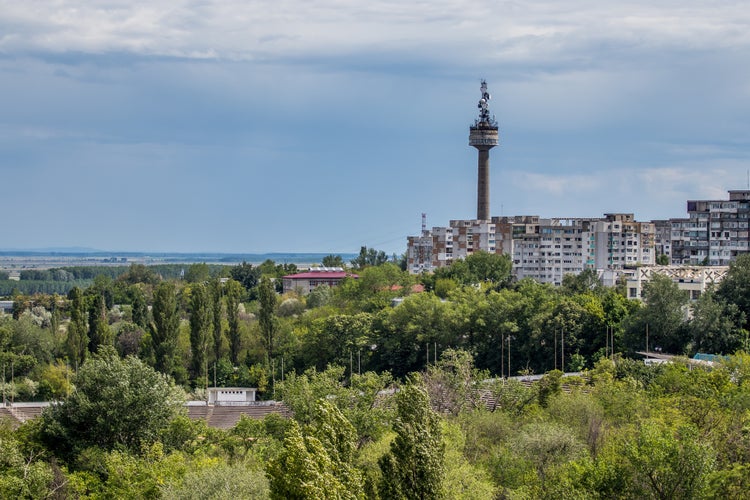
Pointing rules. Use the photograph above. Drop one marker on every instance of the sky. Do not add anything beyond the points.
(244, 126)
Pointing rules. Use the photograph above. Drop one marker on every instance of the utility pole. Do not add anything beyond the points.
(502, 355)
(555, 335)
(508, 356)
(562, 350)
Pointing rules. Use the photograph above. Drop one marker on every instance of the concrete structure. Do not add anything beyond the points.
(714, 233)
(442, 245)
(694, 280)
(542, 249)
(483, 135)
(663, 238)
(231, 395)
(306, 282)
(223, 416)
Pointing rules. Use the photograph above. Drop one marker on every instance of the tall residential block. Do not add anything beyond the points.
(715, 231)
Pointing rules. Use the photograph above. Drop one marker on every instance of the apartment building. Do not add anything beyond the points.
(543, 249)
(715, 232)
(440, 246)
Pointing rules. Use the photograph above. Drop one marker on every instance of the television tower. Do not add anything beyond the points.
(483, 136)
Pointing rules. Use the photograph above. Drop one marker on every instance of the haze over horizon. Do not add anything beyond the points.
(321, 126)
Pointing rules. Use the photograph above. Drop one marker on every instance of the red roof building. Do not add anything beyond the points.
(307, 282)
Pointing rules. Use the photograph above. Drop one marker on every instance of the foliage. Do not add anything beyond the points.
(317, 464)
(221, 481)
(357, 398)
(116, 402)
(77, 339)
(415, 464)
(198, 273)
(333, 261)
(246, 275)
(165, 326)
(452, 383)
(369, 257)
(663, 315)
(320, 296)
(99, 331)
(268, 300)
(479, 267)
(22, 476)
(233, 292)
(200, 329)
(716, 326)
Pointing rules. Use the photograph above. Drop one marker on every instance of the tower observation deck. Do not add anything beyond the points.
(483, 135)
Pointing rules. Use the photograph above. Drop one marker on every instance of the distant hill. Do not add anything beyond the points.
(88, 253)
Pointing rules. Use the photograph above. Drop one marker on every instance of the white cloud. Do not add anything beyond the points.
(479, 31)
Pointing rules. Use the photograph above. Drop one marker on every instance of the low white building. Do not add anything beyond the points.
(231, 396)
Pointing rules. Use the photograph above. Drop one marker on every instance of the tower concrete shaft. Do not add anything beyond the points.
(483, 135)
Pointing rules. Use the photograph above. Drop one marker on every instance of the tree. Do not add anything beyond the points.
(139, 273)
(333, 261)
(369, 257)
(662, 259)
(663, 315)
(318, 464)
(666, 462)
(233, 292)
(414, 466)
(139, 306)
(267, 314)
(116, 402)
(165, 327)
(479, 267)
(22, 475)
(200, 328)
(452, 382)
(76, 343)
(336, 338)
(489, 267)
(304, 469)
(735, 287)
(320, 296)
(216, 316)
(583, 282)
(99, 331)
(197, 273)
(716, 326)
(246, 274)
(355, 397)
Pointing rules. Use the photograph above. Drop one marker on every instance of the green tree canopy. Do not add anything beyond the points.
(116, 402)
(165, 327)
(414, 466)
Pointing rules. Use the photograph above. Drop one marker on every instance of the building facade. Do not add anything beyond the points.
(542, 249)
(714, 233)
(306, 282)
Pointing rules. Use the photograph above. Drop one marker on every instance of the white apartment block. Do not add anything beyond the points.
(542, 249)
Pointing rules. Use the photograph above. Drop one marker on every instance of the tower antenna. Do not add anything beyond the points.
(483, 135)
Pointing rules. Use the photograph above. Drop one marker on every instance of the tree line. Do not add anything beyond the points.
(393, 380)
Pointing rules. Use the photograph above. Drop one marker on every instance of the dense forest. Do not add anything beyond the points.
(397, 383)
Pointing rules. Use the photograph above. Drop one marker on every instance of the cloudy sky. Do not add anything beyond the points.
(324, 125)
